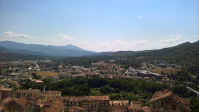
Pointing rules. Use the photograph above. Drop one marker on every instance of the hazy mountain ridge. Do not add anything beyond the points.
(67, 51)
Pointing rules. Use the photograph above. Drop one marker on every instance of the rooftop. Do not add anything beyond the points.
(75, 109)
(167, 93)
(54, 107)
(29, 90)
(51, 92)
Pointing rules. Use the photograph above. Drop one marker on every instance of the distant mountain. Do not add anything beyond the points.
(118, 53)
(66, 51)
(71, 47)
(14, 56)
(26, 51)
(4, 50)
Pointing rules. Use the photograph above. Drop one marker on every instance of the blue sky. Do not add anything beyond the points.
(101, 25)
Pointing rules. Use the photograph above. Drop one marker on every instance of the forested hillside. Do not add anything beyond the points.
(186, 54)
(14, 56)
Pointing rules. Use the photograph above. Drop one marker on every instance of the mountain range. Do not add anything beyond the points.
(44, 50)
(50, 50)
(73, 51)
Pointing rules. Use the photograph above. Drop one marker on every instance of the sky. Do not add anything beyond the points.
(100, 25)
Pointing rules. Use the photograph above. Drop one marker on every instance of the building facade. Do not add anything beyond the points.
(166, 101)
(23, 93)
(6, 92)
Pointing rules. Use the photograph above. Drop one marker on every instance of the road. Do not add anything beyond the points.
(192, 90)
(36, 64)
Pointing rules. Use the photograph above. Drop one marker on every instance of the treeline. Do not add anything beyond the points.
(83, 86)
(117, 89)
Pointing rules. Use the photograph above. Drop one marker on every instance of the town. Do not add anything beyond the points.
(15, 75)
(99, 56)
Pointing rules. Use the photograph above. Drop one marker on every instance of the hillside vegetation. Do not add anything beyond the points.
(186, 54)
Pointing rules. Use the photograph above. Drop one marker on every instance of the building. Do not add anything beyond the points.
(136, 104)
(65, 74)
(51, 93)
(119, 105)
(18, 105)
(77, 109)
(56, 106)
(2, 103)
(157, 62)
(144, 73)
(167, 101)
(6, 92)
(90, 103)
(21, 93)
(35, 82)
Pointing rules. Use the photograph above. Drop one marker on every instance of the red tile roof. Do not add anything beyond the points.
(30, 90)
(56, 106)
(75, 109)
(146, 109)
(51, 92)
(22, 101)
(118, 111)
(167, 93)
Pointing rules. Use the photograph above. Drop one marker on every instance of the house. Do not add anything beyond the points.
(18, 105)
(56, 106)
(119, 105)
(165, 100)
(136, 104)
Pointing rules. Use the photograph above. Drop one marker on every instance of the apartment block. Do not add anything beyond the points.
(21, 93)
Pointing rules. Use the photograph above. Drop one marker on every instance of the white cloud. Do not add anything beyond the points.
(146, 15)
(171, 40)
(104, 45)
(35, 38)
(139, 17)
(120, 42)
(196, 36)
(139, 42)
(66, 37)
(11, 35)
(84, 43)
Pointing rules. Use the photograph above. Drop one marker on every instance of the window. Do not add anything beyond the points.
(161, 104)
(173, 107)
